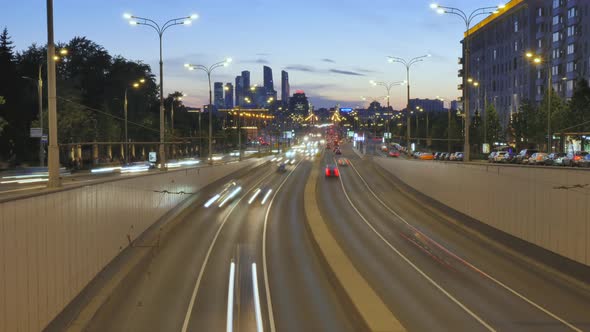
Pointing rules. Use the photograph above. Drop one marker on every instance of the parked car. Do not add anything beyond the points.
(499, 157)
(492, 156)
(585, 162)
(394, 153)
(573, 159)
(426, 156)
(509, 157)
(459, 156)
(555, 159)
(436, 155)
(538, 158)
(524, 155)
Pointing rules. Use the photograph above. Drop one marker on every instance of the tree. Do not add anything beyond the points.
(3, 122)
(579, 109)
(493, 126)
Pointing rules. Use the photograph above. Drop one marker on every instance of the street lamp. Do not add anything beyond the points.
(208, 70)
(134, 85)
(388, 86)
(136, 20)
(468, 19)
(408, 64)
(537, 60)
(39, 82)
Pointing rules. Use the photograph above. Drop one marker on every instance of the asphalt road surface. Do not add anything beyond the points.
(251, 266)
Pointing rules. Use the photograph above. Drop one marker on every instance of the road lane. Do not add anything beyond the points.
(157, 296)
(303, 296)
(518, 307)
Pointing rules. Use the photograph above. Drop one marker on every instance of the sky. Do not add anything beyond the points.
(331, 48)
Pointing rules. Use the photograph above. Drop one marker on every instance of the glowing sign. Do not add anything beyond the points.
(345, 109)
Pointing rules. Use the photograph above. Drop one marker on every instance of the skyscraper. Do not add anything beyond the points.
(239, 90)
(246, 81)
(285, 87)
(268, 82)
(229, 95)
(298, 104)
(218, 95)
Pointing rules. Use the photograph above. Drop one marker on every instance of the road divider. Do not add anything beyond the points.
(375, 314)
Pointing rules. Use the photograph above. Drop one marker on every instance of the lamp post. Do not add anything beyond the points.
(54, 180)
(136, 20)
(387, 86)
(209, 70)
(134, 85)
(538, 61)
(468, 20)
(408, 64)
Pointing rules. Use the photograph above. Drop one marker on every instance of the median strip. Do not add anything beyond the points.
(373, 311)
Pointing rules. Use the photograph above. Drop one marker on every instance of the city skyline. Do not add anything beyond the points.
(335, 72)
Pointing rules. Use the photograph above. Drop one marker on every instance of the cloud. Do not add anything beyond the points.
(345, 72)
(259, 60)
(328, 60)
(303, 68)
(262, 54)
(368, 71)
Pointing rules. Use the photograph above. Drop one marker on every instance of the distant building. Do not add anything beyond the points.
(218, 100)
(428, 105)
(246, 82)
(229, 95)
(239, 91)
(268, 81)
(455, 105)
(298, 103)
(285, 88)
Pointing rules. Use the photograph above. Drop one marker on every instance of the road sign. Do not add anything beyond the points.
(44, 139)
(36, 132)
(153, 157)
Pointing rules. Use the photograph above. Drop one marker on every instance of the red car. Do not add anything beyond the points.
(332, 171)
(394, 153)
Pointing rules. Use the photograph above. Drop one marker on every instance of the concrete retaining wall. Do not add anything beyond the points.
(547, 206)
(53, 244)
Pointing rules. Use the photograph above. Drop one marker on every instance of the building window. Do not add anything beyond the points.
(569, 86)
(571, 30)
(571, 13)
(569, 67)
(515, 25)
(515, 46)
(538, 89)
(495, 54)
(540, 43)
(557, 3)
(557, 19)
(538, 74)
(540, 11)
(570, 49)
(555, 37)
(555, 70)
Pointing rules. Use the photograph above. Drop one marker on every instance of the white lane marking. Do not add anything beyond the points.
(230, 298)
(259, 326)
(524, 298)
(407, 260)
(201, 272)
(264, 264)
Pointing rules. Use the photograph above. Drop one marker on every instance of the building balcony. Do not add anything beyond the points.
(557, 27)
(540, 35)
(540, 19)
(573, 3)
(573, 20)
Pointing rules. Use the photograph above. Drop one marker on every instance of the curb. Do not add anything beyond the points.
(375, 314)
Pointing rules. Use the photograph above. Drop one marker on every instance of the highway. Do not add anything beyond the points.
(248, 266)
(185, 286)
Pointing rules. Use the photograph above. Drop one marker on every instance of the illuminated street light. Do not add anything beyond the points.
(160, 29)
(408, 64)
(467, 19)
(208, 70)
(537, 60)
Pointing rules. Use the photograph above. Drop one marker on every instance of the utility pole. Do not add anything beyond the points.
(54, 180)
